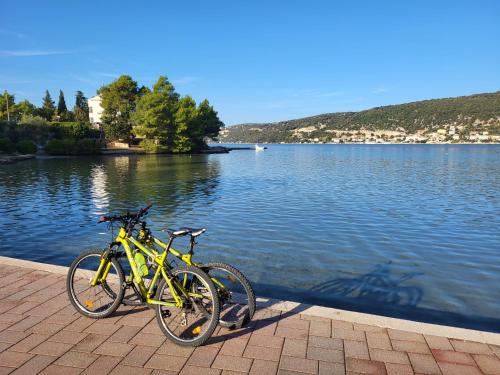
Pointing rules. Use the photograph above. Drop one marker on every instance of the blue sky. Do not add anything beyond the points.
(256, 61)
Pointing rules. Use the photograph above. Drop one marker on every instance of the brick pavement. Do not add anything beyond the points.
(41, 333)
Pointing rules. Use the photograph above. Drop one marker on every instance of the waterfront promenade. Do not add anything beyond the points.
(40, 332)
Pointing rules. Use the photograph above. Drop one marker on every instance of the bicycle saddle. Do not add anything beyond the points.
(184, 231)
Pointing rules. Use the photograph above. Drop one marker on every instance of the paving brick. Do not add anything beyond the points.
(263, 367)
(424, 363)
(80, 324)
(356, 349)
(76, 359)
(295, 348)
(260, 352)
(29, 343)
(138, 356)
(340, 324)
(114, 348)
(168, 347)
(225, 362)
(294, 323)
(457, 369)
(378, 340)
(389, 356)
(61, 370)
(34, 365)
(14, 359)
(195, 370)
(12, 337)
(234, 347)
(148, 339)
(410, 347)
(299, 364)
(102, 366)
(90, 342)
(319, 328)
(268, 342)
(203, 356)
(4, 346)
(325, 355)
(166, 362)
(489, 364)
(61, 318)
(329, 368)
(470, 347)
(26, 323)
(326, 343)
(55, 349)
(100, 328)
(398, 369)
(364, 366)
(68, 337)
(264, 328)
(437, 342)
(368, 328)
(129, 370)
(124, 334)
(10, 318)
(395, 334)
(348, 334)
(292, 333)
(452, 357)
(46, 328)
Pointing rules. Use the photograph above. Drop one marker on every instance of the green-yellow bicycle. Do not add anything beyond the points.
(185, 299)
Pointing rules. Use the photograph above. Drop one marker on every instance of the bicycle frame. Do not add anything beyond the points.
(146, 293)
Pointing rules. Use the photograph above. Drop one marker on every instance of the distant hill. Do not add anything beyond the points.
(441, 120)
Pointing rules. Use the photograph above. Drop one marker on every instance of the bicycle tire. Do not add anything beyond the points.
(225, 321)
(72, 294)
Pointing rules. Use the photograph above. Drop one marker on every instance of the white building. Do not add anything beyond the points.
(95, 111)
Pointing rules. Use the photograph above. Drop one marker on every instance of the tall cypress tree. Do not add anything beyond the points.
(48, 107)
(61, 105)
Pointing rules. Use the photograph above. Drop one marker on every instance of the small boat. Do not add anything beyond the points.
(259, 148)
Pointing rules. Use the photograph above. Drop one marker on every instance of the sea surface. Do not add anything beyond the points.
(410, 231)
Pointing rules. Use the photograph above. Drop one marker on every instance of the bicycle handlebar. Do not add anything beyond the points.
(128, 217)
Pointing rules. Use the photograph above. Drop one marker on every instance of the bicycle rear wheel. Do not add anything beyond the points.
(97, 301)
(237, 298)
(195, 322)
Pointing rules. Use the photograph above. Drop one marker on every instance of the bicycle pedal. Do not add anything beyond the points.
(166, 313)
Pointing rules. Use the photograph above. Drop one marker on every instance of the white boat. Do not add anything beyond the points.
(259, 148)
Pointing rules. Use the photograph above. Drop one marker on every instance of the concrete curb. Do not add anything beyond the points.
(324, 312)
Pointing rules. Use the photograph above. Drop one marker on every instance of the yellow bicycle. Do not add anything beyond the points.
(185, 299)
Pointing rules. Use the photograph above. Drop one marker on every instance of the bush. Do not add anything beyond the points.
(6, 145)
(150, 146)
(26, 147)
(72, 147)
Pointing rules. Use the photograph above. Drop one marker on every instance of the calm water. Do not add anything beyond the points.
(408, 231)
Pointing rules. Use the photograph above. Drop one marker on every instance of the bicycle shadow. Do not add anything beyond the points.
(378, 285)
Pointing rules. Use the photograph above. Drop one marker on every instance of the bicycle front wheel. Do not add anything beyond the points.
(195, 322)
(97, 301)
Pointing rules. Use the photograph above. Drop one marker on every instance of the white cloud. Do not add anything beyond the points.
(86, 80)
(28, 53)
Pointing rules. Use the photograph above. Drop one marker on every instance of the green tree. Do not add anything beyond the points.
(210, 124)
(25, 109)
(118, 103)
(62, 110)
(81, 108)
(48, 108)
(7, 110)
(186, 121)
(154, 116)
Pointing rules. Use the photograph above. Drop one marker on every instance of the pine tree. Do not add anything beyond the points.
(48, 107)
